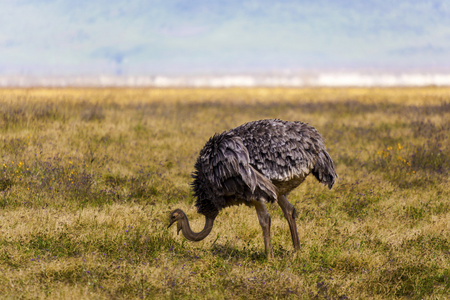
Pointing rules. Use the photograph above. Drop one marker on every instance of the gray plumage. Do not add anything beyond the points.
(257, 162)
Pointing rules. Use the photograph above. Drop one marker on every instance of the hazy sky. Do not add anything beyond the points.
(149, 37)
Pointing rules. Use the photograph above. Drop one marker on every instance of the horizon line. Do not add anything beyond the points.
(318, 79)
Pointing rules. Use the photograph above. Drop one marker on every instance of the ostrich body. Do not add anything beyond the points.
(255, 163)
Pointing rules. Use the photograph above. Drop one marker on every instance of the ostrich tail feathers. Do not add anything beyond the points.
(324, 169)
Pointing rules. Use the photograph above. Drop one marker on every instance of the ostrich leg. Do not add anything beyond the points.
(290, 214)
(264, 221)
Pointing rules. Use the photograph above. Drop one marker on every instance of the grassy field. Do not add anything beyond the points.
(88, 178)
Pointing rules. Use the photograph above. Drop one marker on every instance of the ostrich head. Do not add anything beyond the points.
(177, 216)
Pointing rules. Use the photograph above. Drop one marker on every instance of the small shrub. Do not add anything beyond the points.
(5, 183)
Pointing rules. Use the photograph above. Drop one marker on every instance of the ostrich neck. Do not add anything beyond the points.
(196, 236)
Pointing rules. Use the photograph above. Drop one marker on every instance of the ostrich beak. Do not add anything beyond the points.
(178, 226)
(170, 224)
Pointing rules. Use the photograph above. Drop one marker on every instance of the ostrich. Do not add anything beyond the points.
(257, 162)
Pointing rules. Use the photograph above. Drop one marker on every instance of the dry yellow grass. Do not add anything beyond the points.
(89, 176)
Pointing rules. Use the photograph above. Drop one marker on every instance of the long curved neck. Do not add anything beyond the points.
(196, 236)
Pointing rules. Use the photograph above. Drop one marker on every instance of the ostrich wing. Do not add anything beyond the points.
(226, 166)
